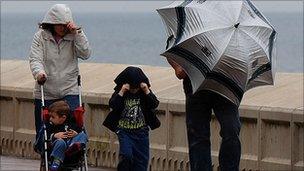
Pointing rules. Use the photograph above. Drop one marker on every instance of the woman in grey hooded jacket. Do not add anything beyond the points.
(54, 57)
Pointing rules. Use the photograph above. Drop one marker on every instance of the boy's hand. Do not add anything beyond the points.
(124, 88)
(71, 133)
(144, 88)
(61, 135)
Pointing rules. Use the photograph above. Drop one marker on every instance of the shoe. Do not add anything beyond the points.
(36, 149)
(55, 166)
(73, 149)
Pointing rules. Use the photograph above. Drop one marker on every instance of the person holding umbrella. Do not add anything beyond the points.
(199, 108)
(54, 57)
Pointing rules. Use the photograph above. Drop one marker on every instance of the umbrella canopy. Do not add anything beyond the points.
(223, 46)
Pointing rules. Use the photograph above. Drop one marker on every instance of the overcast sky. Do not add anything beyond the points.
(131, 6)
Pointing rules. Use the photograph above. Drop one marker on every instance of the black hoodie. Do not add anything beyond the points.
(131, 75)
(148, 102)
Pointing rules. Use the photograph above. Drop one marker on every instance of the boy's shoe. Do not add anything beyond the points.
(36, 149)
(74, 149)
(55, 165)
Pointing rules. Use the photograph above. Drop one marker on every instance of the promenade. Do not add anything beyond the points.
(272, 118)
(98, 79)
(14, 164)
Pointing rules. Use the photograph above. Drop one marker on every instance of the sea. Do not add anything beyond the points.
(138, 38)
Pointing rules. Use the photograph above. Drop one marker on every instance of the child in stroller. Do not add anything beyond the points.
(65, 137)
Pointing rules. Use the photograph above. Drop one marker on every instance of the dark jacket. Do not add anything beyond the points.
(133, 76)
(52, 129)
(148, 104)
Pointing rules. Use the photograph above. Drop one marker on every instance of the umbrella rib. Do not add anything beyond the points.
(240, 12)
(256, 26)
(258, 13)
(262, 17)
(216, 29)
(254, 40)
(181, 15)
(181, 19)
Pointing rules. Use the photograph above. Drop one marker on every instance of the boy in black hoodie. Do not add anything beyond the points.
(133, 111)
(64, 134)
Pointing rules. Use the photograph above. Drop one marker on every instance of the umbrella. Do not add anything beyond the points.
(223, 46)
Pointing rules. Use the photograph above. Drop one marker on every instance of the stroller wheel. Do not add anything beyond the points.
(66, 169)
(42, 168)
(42, 165)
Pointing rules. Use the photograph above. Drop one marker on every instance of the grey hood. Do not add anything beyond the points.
(58, 14)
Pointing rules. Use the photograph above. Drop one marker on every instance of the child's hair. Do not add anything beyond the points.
(60, 107)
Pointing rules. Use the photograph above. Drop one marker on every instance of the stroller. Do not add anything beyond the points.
(77, 160)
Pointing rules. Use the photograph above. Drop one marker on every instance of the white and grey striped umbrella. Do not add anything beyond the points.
(224, 46)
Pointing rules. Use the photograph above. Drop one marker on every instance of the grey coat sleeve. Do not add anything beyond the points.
(36, 56)
(83, 49)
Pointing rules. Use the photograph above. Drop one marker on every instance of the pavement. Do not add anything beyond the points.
(13, 163)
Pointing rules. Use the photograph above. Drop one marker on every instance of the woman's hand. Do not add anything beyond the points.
(71, 133)
(124, 88)
(41, 78)
(72, 27)
(144, 87)
(61, 135)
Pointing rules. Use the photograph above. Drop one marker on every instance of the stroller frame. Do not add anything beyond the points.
(82, 164)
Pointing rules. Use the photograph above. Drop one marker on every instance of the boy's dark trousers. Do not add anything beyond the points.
(198, 116)
(133, 149)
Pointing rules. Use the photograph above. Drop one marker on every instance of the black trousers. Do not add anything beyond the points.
(199, 108)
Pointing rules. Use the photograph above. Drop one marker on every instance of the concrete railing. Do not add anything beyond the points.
(272, 137)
